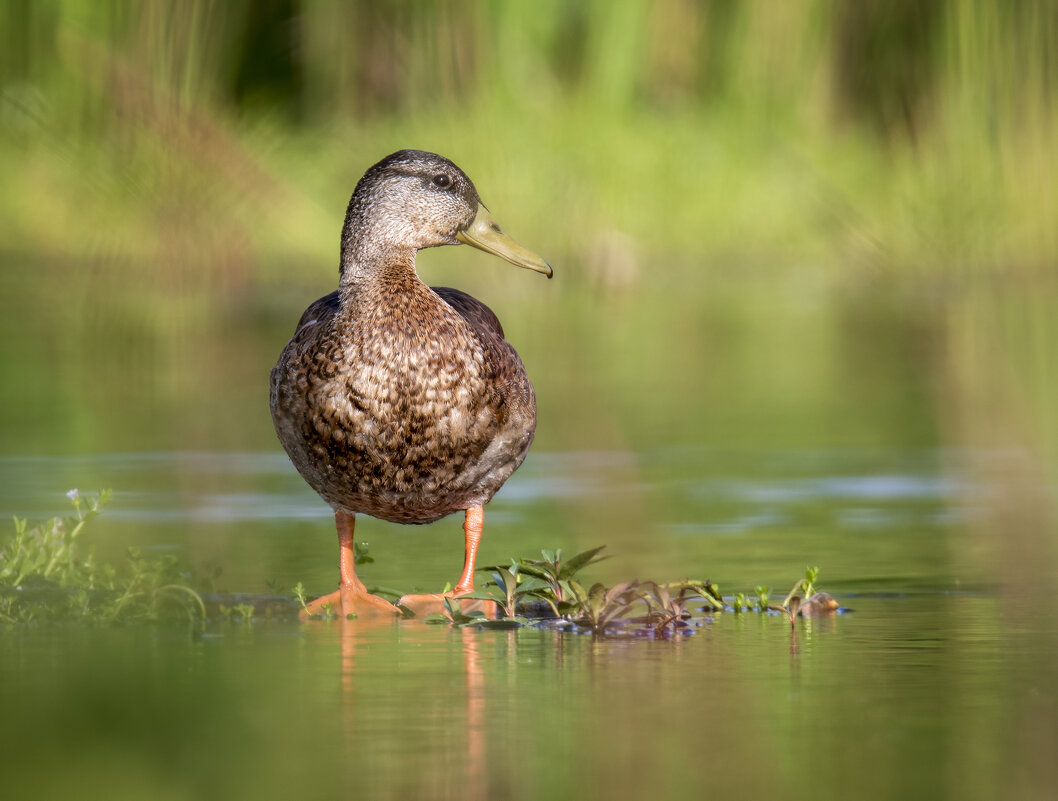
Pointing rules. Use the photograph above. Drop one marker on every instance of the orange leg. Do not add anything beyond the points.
(472, 528)
(352, 596)
(434, 602)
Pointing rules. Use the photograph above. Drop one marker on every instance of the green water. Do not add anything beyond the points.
(738, 433)
(915, 697)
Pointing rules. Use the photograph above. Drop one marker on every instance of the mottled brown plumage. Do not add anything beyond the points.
(393, 399)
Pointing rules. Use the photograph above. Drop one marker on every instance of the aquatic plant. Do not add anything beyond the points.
(806, 587)
(46, 573)
(545, 580)
(507, 588)
(601, 606)
(556, 572)
(763, 594)
(667, 612)
(525, 588)
(506, 581)
(47, 551)
(239, 613)
(805, 600)
(360, 555)
(300, 595)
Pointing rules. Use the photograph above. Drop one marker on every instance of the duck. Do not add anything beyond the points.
(397, 400)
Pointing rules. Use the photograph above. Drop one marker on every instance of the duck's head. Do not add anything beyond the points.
(413, 200)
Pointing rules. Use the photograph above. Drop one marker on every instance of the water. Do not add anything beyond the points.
(877, 518)
(738, 434)
(923, 690)
(912, 697)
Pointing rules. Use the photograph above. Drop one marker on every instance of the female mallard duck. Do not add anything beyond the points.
(394, 399)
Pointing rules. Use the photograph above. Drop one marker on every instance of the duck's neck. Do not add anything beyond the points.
(369, 263)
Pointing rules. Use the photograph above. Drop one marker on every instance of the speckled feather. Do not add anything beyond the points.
(393, 399)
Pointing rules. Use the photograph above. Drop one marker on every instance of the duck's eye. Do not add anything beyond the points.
(442, 181)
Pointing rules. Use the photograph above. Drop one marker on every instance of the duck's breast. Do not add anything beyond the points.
(398, 411)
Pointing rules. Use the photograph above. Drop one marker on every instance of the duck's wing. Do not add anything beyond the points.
(288, 376)
(507, 373)
(319, 312)
(480, 316)
(297, 355)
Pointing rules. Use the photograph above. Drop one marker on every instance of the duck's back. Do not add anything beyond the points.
(407, 407)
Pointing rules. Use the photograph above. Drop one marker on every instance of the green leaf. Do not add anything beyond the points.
(576, 589)
(531, 569)
(532, 585)
(478, 595)
(499, 580)
(617, 590)
(597, 596)
(580, 561)
(455, 611)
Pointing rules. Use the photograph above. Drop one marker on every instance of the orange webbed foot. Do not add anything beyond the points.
(434, 604)
(351, 599)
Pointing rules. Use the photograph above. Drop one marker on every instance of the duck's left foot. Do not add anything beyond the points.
(434, 604)
(351, 599)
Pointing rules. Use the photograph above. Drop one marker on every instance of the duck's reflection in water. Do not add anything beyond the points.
(453, 764)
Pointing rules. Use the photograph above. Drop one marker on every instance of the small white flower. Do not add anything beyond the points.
(73, 495)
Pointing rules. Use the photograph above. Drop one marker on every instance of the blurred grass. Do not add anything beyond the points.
(222, 139)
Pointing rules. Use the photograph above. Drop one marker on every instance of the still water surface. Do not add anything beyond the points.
(924, 691)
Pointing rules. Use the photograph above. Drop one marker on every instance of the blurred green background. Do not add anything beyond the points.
(805, 310)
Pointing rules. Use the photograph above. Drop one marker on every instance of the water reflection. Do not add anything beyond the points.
(454, 745)
(478, 714)
(933, 691)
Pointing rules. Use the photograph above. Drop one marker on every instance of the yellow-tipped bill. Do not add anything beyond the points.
(485, 234)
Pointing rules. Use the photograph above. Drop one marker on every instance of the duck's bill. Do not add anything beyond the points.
(484, 233)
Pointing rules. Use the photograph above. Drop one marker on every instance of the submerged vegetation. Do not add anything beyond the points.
(49, 574)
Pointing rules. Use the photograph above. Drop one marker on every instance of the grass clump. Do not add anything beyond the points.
(49, 574)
